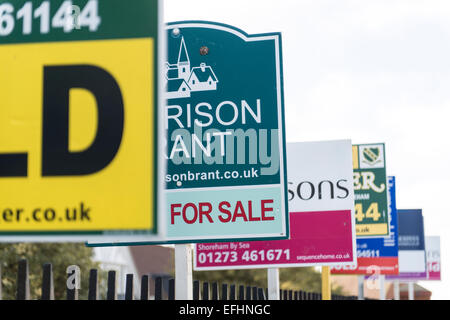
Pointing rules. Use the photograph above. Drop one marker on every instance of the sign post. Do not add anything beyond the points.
(360, 287)
(381, 281)
(326, 283)
(410, 290)
(80, 118)
(273, 283)
(183, 272)
(396, 290)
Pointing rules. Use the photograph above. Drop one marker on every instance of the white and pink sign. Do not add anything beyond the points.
(321, 219)
(433, 250)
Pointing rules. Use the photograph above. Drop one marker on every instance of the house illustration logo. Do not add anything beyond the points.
(181, 79)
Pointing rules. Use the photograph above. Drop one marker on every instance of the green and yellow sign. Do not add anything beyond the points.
(79, 117)
(371, 197)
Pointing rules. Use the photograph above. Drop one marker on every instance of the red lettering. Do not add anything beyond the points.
(264, 210)
(225, 211)
(187, 205)
(250, 211)
(173, 213)
(205, 212)
(239, 212)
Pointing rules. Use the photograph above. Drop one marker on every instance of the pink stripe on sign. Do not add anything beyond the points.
(316, 238)
(434, 271)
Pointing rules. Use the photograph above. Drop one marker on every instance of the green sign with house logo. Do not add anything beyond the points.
(225, 133)
(224, 119)
(371, 197)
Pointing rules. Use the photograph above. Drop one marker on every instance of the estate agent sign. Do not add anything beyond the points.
(79, 119)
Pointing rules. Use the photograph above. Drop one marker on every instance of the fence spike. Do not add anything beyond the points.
(73, 286)
(224, 291)
(261, 294)
(232, 292)
(158, 288)
(241, 293)
(93, 285)
(215, 291)
(129, 287)
(144, 287)
(23, 281)
(248, 293)
(205, 293)
(0, 282)
(111, 290)
(171, 289)
(48, 290)
(254, 293)
(196, 290)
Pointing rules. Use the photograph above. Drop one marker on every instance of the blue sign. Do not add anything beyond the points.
(411, 244)
(411, 234)
(383, 246)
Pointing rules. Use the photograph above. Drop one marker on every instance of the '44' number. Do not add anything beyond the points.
(70, 17)
(371, 213)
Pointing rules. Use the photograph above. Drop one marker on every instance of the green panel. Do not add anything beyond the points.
(119, 19)
(371, 196)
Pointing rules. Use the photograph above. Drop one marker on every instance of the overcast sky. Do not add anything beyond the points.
(371, 71)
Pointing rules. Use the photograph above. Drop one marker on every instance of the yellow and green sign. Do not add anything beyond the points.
(369, 182)
(78, 118)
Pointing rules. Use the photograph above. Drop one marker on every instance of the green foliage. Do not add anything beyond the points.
(61, 255)
(306, 279)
